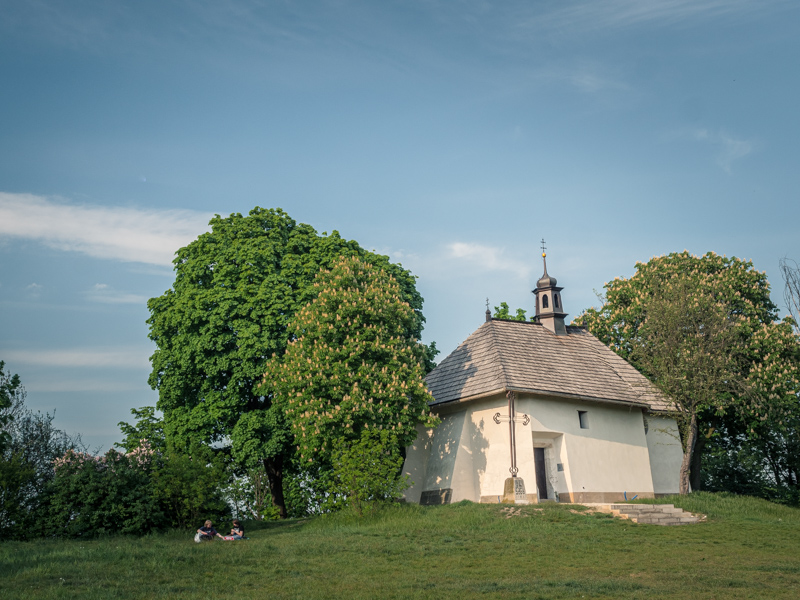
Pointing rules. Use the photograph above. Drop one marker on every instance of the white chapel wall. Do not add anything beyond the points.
(416, 463)
(490, 449)
(666, 453)
(605, 460)
(469, 453)
(445, 459)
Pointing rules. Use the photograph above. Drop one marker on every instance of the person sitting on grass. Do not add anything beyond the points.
(207, 533)
(237, 532)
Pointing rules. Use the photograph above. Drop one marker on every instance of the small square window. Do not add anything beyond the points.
(583, 419)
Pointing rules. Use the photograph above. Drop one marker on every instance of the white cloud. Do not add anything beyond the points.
(487, 258)
(148, 236)
(118, 357)
(34, 290)
(101, 292)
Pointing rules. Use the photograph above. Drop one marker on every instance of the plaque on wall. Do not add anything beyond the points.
(436, 497)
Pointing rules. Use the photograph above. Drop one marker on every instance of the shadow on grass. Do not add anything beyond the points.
(276, 526)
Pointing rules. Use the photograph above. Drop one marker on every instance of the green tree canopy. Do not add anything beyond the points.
(236, 288)
(148, 427)
(351, 365)
(731, 281)
(504, 312)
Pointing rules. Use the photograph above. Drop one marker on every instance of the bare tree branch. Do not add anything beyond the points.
(791, 291)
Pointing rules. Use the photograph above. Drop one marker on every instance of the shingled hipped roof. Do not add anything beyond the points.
(527, 357)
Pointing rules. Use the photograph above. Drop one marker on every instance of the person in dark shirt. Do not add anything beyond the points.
(237, 532)
(207, 533)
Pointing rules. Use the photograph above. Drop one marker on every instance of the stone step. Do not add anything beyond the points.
(644, 507)
(651, 511)
(652, 514)
(667, 522)
(648, 511)
(684, 518)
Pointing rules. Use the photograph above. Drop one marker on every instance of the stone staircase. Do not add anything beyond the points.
(654, 514)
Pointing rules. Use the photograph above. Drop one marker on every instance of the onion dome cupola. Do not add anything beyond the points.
(549, 306)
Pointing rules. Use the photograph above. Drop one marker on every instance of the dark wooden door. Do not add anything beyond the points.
(541, 477)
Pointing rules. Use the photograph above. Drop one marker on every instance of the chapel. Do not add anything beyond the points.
(546, 406)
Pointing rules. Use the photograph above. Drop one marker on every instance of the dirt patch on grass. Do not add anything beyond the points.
(512, 511)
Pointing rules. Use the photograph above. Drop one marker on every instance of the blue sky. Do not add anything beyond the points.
(451, 136)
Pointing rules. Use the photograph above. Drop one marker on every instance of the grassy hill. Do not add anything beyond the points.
(748, 548)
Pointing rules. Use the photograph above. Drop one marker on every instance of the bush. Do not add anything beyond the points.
(189, 487)
(94, 495)
(137, 493)
(366, 473)
(16, 477)
(29, 443)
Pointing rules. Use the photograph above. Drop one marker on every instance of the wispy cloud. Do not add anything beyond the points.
(128, 234)
(620, 14)
(594, 82)
(728, 149)
(117, 357)
(82, 385)
(103, 293)
(588, 77)
(487, 258)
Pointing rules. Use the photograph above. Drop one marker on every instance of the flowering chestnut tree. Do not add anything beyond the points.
(351, 365)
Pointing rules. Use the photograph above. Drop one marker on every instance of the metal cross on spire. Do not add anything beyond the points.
(544, 256)
(511, 418)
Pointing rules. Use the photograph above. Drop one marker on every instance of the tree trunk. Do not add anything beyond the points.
(274, 469)
(772, 455)
(691, 440)
(695, 470)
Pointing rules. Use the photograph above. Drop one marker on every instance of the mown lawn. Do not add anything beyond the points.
(747, 549)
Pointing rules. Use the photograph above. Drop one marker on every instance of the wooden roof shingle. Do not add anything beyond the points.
(527, 357)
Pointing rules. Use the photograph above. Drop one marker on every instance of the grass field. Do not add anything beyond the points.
(747, 549)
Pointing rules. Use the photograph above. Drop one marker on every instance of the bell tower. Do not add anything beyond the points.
(549, 307)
